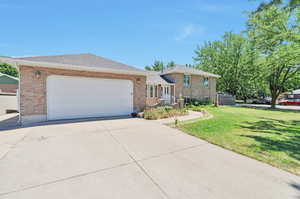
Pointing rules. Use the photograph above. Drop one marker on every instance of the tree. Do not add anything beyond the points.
(8, 69)
(293, 83)
(170, 64)
(275, 32)
(234, 59)
(159, 66)
(290, 4)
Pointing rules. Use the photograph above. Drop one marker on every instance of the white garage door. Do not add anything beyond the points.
(80, 97)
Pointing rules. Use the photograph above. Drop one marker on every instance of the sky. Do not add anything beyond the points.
(134, 32)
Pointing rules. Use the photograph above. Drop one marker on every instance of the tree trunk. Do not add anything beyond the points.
(274, 99)
(273, 103)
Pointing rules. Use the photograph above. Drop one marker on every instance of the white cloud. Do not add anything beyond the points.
(188, 31)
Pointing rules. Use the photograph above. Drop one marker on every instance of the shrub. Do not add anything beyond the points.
(196, 108)
(163, 112)
(167, 108)
(196, 102)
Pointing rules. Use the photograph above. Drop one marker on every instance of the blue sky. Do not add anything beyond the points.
(135, 32)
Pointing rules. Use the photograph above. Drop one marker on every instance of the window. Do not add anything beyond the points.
(187, 80)
(205, 82)
(165, 90)
(151, 91)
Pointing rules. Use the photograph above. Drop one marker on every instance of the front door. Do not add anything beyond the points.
(166, 94)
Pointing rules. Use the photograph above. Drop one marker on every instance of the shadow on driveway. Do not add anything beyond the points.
(9, 121)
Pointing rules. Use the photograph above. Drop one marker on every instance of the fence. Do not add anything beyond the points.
(226, 99)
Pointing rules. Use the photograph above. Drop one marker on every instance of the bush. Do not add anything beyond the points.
(196, 102)
(163, 112)
(167, 108)
(196, 108)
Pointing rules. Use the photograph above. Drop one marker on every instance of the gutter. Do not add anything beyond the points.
(204, 75)
(20, 63)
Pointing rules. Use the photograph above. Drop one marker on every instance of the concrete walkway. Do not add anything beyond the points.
(130, 158)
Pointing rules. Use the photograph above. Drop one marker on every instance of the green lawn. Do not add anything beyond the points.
(271, 136)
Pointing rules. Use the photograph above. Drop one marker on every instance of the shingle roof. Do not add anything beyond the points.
(9, 76)
(155, 78)
(85, 59)
(189, 70)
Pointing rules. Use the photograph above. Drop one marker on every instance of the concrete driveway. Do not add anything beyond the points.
(130, 158)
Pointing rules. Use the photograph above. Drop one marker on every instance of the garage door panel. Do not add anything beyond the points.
(79, 97)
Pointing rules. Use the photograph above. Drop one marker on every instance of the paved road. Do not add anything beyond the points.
(130, 158)
(269, 106)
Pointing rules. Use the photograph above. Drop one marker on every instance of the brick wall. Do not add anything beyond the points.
(8, 88)
(196, 89)
(33, 89)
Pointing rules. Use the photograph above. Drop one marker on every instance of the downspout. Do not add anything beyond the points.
(19, 92)
(174, 95)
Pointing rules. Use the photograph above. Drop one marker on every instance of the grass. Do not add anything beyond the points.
(271, 136)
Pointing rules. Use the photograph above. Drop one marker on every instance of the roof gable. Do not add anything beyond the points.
(79, 62)
(156, 78)
(187, 70)
(7, 79)
(85, 59)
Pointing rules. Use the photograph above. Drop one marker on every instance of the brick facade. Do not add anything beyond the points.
(8, 88)
(33, 101)
(196, 89)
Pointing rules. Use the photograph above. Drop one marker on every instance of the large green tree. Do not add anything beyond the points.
(8, 69)
(234, 59)
(275, 33)
(288, 4)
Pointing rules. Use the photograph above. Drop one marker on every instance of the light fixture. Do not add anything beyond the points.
(37, 74)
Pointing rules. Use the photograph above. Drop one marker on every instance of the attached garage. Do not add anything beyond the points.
(77, 86)
(80, 97)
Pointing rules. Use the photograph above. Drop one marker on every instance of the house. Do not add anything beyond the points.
(296, 92)
(8, 84)
(77, 86)
(86, 85)
(180, 82)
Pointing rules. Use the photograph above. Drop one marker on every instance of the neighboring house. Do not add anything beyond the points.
(296, 92)
(8, 84)
(294, 95)
(290, 95)
(180, 82)
(77, 86)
